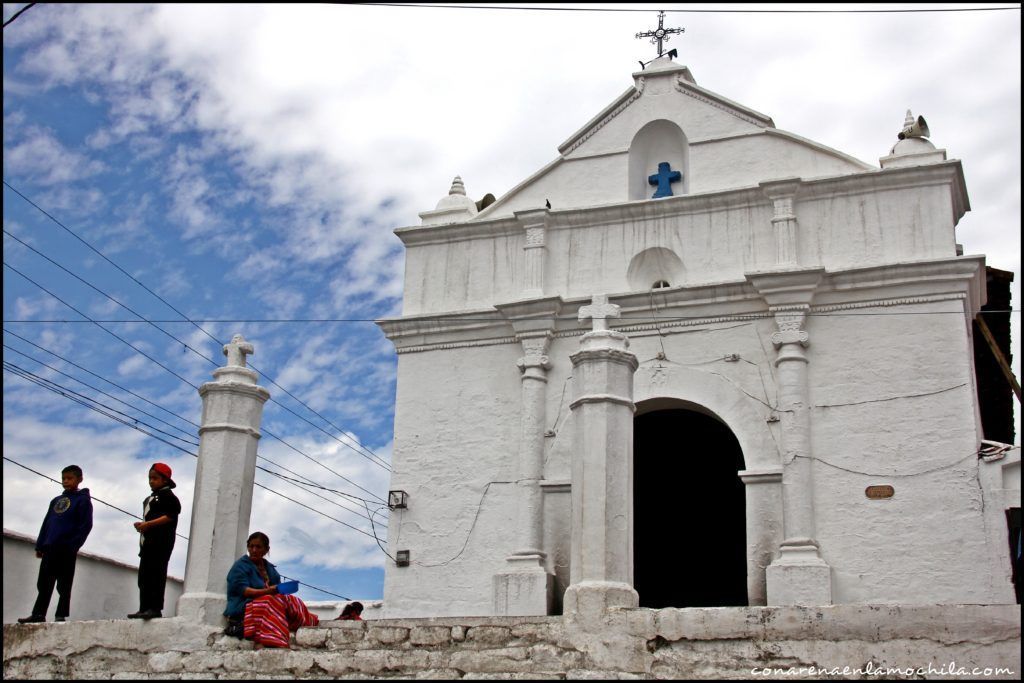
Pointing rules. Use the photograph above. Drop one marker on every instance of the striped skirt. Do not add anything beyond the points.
(269, 618)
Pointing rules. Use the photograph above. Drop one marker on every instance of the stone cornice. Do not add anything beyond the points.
(870, 181)
(684, 308)
(253, 391)
(723, 103)
(601, 120)
(946, 173)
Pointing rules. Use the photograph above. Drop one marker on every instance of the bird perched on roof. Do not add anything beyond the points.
(547, 203)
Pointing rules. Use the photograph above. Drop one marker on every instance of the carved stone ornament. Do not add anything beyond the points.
(790, 324)
(535, 236)
(533, 361)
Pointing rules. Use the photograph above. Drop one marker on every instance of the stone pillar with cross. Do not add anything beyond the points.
(798, 576)
(601, 555)
(225, 475)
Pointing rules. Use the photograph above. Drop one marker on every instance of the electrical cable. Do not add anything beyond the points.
(72, 377)
(371, 456)
(308, 481)
(569, 318)
(100, 377)
(98, 500)
(679, 11)
(143, 353)
(134, 424)
(169, 305)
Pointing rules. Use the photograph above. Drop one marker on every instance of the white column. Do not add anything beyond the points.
(798, 576)
(763, 491)
(225, 474)
(534, 224)
(601, 558)
(526, 589)
(784, 225)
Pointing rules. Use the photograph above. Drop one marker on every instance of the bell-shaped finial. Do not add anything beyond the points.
(458, 187)
(908, 122)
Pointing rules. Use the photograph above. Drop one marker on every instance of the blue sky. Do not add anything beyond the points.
(250, 163)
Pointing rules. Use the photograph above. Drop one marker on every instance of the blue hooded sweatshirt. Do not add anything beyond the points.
(68, 521)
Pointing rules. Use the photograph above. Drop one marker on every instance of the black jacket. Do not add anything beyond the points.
(160, 539)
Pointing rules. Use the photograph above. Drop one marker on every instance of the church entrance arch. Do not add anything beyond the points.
(689, 508)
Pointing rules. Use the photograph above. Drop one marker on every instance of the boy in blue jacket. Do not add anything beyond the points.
(67, 524)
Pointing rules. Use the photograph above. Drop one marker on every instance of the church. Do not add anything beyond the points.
(696, 361)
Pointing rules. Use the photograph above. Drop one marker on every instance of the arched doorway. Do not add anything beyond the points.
(689, 510)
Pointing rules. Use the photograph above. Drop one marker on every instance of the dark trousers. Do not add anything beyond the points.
(153, 577)
(56, 567)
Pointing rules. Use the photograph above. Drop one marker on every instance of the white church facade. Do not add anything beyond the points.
(755, 388)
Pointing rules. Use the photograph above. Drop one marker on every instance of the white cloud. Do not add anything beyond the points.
(39, 156)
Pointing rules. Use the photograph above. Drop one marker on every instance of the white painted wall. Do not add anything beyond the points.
(103, 588)
(890, 373)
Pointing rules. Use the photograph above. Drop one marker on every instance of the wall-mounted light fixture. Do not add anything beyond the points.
(402, 558)
(398, 499)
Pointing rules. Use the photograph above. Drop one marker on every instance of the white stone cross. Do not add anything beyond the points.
(237, 350)
(599, 310)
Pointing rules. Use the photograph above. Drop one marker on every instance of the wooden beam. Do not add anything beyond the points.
(998, 353)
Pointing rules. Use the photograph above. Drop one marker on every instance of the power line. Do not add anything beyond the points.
(82, 400)
(72, 377)
(348, 495)
(129, 344)
(88, 403)
(683, 11)
(98, 500)
(169, 305)
(60, 389)
(17, 14)
(456, 318)
(121, 339)
(371, 456)
(100, 377)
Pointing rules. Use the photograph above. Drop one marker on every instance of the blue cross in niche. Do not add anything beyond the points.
(664, 179)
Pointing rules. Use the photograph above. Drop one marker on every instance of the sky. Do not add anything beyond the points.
(231, 165)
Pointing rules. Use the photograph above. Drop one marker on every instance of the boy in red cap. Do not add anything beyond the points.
(160, 513)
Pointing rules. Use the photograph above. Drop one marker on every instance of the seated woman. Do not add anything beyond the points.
(253, 597)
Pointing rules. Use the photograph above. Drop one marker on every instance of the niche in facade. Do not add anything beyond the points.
(658, 142)
(654, 268)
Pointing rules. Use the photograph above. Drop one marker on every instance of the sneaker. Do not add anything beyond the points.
(33, 619)
(60, 619)
(137, 615)
(150, 614)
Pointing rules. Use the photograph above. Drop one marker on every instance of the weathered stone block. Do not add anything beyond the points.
(458, 633)
(165, 662)
(369, 661)
(430, 635)
(489, 635)
(345, 637)
(533, 632)
(311, 637)
(335, 663)
(550, 658)
(387, 635)
(508, 660)
(438, 675)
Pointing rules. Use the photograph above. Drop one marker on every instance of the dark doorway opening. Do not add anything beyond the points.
(689, 511)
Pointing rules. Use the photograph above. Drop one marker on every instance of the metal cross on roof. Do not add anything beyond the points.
(660, 35)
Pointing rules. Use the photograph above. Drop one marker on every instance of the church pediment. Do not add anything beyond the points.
(713, 143)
